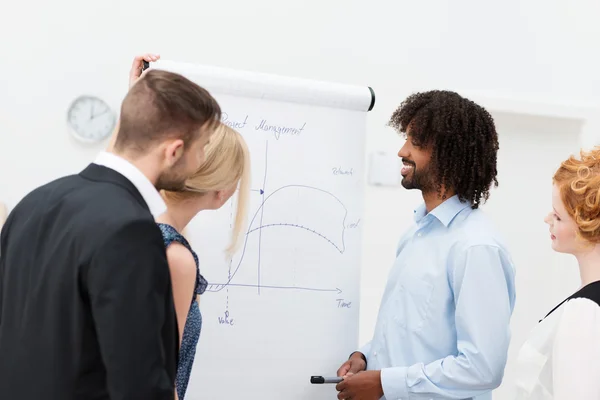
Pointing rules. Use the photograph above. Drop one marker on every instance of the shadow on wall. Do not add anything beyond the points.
(537, 126)
(531, 149)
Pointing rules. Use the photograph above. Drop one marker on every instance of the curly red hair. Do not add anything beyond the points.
(578, 181)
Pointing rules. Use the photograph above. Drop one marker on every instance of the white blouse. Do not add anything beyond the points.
(561, 358)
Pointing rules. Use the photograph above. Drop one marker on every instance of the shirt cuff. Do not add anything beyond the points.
(366, 349)
(393, 382)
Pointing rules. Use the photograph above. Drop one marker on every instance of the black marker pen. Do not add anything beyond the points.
(321, 379)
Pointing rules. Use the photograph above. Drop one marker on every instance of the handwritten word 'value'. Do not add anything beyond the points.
(225, 320)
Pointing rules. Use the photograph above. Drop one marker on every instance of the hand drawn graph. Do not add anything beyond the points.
(316, 212)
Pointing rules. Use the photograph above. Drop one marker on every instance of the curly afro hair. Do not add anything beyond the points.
(462, 136)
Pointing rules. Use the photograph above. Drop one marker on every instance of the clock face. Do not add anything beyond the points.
(91, 120)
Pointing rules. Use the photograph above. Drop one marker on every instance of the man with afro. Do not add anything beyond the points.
(443, 326)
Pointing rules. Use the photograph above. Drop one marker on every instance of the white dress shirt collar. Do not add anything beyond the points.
(149, 193)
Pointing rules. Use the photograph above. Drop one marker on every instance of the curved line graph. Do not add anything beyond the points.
(340, 248)
(258, 217)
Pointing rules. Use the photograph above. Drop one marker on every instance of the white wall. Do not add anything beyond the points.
(54, 51)
(531, 149)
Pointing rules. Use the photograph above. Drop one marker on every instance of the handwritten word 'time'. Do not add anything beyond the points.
(233, 123)
(279, 130)
(340, 171)
(225, 320)
(343, 304)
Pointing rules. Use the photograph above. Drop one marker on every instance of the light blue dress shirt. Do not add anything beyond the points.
(443, 326)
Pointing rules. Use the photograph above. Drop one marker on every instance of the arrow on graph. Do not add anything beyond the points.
(212, 285)
(258, 190)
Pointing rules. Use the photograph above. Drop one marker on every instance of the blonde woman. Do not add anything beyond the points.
(561, 358)
(226, 169)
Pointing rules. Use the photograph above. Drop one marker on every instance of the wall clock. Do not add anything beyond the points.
(90, 119)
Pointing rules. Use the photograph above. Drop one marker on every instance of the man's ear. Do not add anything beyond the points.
(173, 151)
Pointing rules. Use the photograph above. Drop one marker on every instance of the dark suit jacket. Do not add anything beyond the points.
(86, 306)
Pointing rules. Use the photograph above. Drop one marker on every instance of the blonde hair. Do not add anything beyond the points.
(3, 214)
(578, 181)
(227, 164)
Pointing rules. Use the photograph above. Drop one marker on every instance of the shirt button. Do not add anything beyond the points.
(375, 353)
(419, 234)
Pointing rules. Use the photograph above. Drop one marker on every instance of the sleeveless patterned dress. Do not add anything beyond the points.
(193, 323)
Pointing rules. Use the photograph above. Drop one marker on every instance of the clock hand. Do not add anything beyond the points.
(102, 113)
(92, 112)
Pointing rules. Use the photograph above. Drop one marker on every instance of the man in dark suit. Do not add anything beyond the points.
(86, 308)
